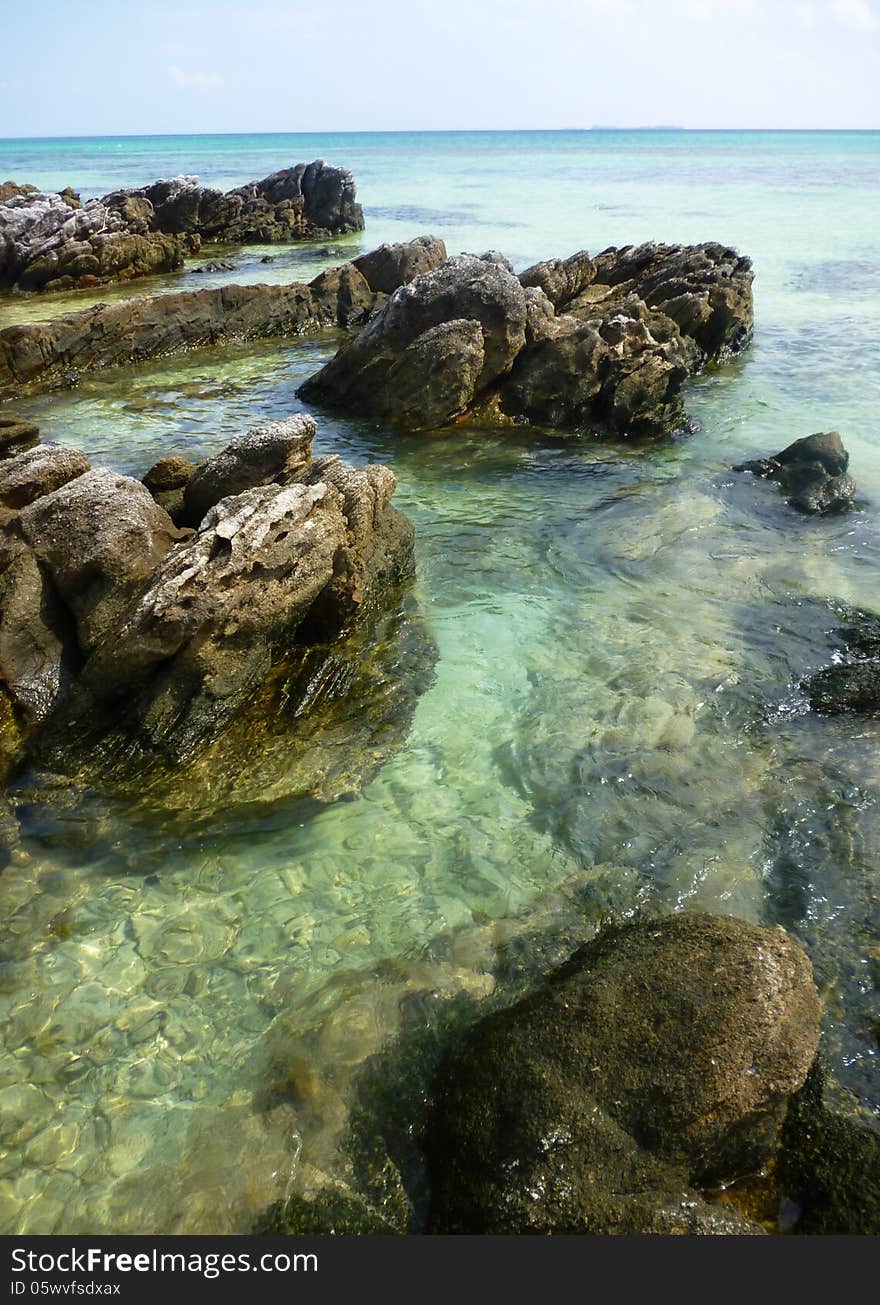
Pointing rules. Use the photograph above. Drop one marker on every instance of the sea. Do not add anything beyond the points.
(614, 724)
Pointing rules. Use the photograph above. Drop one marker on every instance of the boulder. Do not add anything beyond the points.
(390, 266)
(811, 472)
(463, 289)
(168, 474)
(99, 538)
(38, 651)
(829, 1166)
(38, 471)
(661, 1056)
(262, 456)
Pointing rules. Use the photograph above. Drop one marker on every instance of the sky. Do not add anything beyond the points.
(93, 67)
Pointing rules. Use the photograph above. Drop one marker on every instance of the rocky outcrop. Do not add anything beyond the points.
(44, 355)
(812, 472)
(588, 342)
(659, 1059)
(55, 242)
(124, 641)
(48, 244)
(308, 202)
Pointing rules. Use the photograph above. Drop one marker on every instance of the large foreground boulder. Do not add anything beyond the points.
(115, 624)
(55, 242)
(660, 1058)
(604, 342)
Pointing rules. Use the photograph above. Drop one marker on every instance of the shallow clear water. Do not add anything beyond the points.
(614, 720)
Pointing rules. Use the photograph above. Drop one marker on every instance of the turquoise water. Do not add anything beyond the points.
(614, 721)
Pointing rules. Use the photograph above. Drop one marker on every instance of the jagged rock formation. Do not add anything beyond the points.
(124, 639)
(812, 472)
(43, 355)
(658, 1060)
(605, 341)
(55, 242)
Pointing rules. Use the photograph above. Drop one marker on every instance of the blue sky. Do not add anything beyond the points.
(91, 67)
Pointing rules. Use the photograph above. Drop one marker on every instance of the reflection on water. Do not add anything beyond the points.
(614, 711)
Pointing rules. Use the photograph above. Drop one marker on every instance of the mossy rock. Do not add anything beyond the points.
(662, 1055)
(829, 1166)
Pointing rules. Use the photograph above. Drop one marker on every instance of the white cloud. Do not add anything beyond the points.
(855, 13)
(194, 81)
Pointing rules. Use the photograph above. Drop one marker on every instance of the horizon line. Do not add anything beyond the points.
(452, 131)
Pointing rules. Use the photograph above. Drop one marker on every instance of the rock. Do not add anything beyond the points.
(47, 244)
(38, 471)
(127, 646)
(38, 651)
(662, 1055)
(168, 474)
(811, 471)
(44, 355)
(595, 343)
(829, 1166)
(852, 682)
(16, 435)
(50, 241)
(265, 455)
(390, 266)
(99, 537)
(201, 637)
(464, 288)
(561, 281)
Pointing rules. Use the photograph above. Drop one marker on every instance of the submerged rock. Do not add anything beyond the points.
(584, 342)
(852, 682)
(829, 1166)
(661, 1056)
(54, 242)
(127, 646)
(811, 472)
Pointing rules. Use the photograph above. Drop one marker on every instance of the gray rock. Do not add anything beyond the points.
(390, 266)
(38, 652)
(50, 241)
(30, 475)
(99, 537)
(262, 456)
(604, 342)
(811, 472)
(464, 288)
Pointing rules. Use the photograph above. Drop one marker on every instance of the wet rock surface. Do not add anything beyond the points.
(660, 1057)
(55, 242)
(604, 342)
(126, 643)
(811, 472)
(16, 434)
(852, 682)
